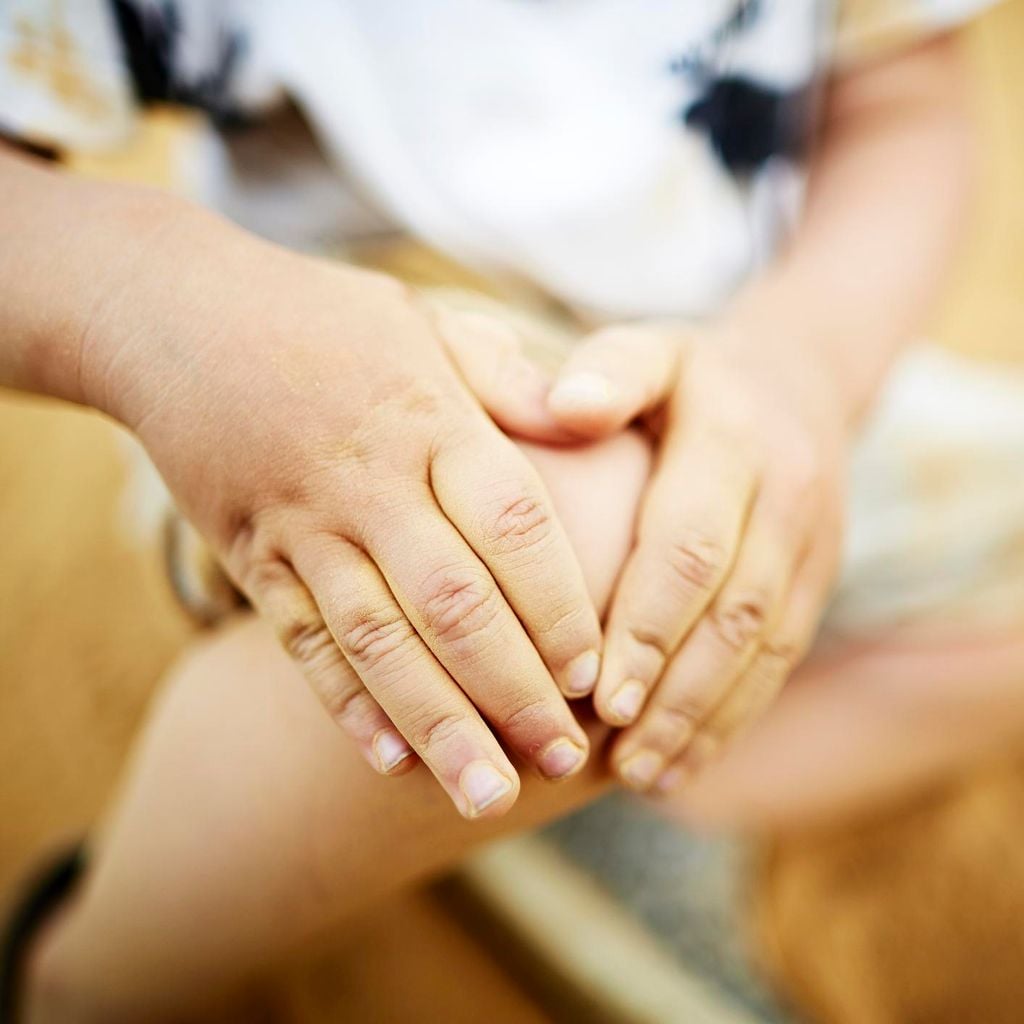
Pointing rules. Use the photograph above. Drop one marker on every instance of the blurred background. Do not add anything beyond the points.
(909, 913)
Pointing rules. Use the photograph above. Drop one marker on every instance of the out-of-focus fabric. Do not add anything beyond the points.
(632, 160)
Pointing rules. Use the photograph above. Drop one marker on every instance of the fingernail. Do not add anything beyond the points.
(626, 701)
(585, 390)
(671, 780)
(583, 672)
(640, 770)
(561, 759)
(390, 748)
(483, 785)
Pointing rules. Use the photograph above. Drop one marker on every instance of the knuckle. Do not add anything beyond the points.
(460, 607)
(349, 706)
(374, 639)
(651, 639)
(437, 730)
(520, 524)
(572, 621)
(681, 713)
(531, 717)
(697, 561)
(308, 641)
(264, 575)
(455, 434)
(738, 622)
(780, 654)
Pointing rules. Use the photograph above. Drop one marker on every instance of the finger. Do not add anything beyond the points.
(497, 501)
(489, 355)
(614, 376)
(715, 654)
(780, 654)
(750, 697)
(689, 532)
(456, 607)
(282, 599)
(403, 676)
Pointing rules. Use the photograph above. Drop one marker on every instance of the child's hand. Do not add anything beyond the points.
(310, 422)
(738, 538)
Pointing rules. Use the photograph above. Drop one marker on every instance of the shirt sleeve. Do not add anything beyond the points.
(872, 28)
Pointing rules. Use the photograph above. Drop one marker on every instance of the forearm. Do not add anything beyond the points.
(67, 246)
(886, 198)
(111, 291)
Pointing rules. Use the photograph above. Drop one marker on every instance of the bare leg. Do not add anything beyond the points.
(248, 825)
(243, 832)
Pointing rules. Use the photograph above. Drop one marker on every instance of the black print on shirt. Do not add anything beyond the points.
(746, 122)
(152, 38)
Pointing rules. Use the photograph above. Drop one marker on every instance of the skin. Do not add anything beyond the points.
(310, 420)
(394, 539)
(244, 842)
(319, 425)
(228, 848)
(754, 415)
(863, 726)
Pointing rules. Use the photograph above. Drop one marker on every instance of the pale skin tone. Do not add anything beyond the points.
(229, 847)
(244, 841)
(309, 420)
(318, 423)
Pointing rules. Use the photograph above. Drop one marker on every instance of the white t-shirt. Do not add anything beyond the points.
(632, 157)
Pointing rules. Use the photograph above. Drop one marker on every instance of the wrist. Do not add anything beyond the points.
(194, 301)
(795, 355)
(125, 332)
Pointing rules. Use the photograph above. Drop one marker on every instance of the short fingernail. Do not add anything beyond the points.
(582, 675)
(670, 780)
(483, 785)
(583, 390)
(561, 759)
(390, 749)
(640, 770)
(626, 701)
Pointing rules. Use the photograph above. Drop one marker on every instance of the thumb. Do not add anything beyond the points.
(613, 376)
(489, 355)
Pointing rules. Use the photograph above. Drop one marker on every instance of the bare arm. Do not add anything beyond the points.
(888, 191)
(310, 422)
(65, 244)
